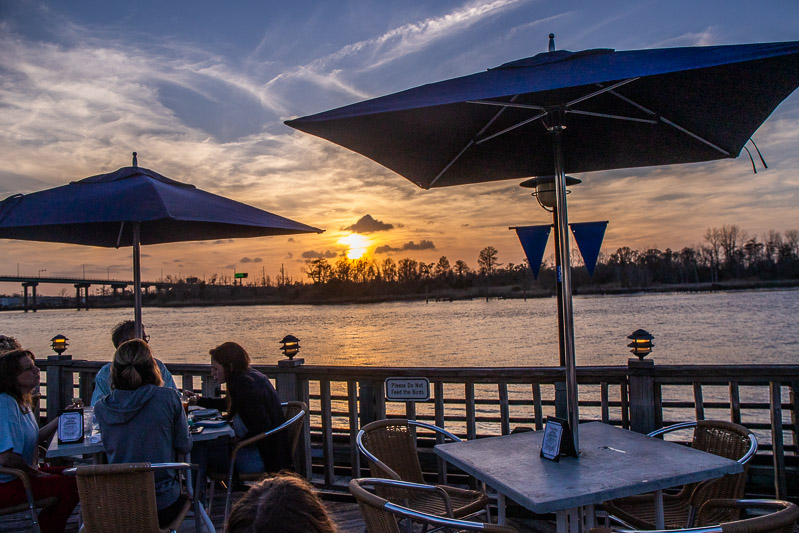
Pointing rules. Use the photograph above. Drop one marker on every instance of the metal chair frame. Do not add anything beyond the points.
(32, 504)
(152, 467)
(392, 474)
(744, 459)
(296, 419)
(784, 510)
(440, 522)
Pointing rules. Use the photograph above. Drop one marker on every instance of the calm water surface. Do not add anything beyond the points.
(725, 327)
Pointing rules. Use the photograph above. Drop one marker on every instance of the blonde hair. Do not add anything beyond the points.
(134, 366)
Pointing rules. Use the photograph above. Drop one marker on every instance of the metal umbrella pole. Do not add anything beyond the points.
(137, 279)
(566, 311)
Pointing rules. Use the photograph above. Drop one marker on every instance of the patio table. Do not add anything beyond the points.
(613, 463)
(93, 445)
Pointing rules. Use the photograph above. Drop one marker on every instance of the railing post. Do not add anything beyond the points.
(290, 388)
(372, 401)
(642, 394)
(59, 385)
(287, 386)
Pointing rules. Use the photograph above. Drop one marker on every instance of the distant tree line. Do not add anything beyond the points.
(727, 253)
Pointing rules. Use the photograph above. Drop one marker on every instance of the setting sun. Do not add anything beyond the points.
(358, 244)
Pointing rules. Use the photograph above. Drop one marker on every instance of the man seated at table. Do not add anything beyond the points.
(124, 331)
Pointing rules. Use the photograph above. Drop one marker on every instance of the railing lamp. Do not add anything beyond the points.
(291, 346)
(641, 343)
(545, 189)
(59, 344)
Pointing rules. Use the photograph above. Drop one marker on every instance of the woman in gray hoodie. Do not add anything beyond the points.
(141, 421)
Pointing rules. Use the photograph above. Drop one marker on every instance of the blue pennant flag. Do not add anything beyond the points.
(588, 236)
(534, 241)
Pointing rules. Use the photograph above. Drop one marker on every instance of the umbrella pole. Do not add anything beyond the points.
(137, 279)
(564, 274)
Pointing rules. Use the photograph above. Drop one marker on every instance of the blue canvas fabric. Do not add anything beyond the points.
(534, 242)
(433, 134)
(589, 236)
(99, 211)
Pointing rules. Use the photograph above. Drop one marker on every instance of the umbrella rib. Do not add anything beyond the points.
(509, 128)
(605, 115)
(667, 121)
(601, 91)
(471, 142)
(506, 104)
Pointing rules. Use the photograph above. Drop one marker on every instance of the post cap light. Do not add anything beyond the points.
(291, 346)
(641, 343)
(59, 344)
(545, 189)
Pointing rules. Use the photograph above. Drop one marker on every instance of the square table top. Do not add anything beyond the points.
(613, 463)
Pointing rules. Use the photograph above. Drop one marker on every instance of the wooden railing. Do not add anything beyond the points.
(477, 402)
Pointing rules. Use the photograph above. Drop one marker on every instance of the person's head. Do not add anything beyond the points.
(227, 359)
(125, 331)
(19, 375)
(134, 366)
(285, 503)
(9, 343)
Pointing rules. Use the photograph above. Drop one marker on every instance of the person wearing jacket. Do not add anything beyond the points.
(253, 407)
(141, 421)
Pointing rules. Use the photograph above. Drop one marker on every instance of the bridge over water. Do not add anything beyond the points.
(81, 287)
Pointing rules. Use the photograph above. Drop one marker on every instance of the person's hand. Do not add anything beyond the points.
(191, 396)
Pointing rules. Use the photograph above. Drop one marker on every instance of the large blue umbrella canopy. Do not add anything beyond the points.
(570, 112)
(134, 206)
(674, 105)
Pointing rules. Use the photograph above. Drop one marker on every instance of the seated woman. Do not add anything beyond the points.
(285, 503)
(252, 406)
(141, 421)
(19, 439)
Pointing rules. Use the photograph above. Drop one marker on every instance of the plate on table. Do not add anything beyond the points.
(204, 413)
(217, 422)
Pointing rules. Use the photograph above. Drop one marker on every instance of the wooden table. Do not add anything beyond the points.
(613, 463)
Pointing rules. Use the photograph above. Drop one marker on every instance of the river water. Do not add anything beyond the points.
(721, 327)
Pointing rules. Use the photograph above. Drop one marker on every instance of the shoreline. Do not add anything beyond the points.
(497, 292)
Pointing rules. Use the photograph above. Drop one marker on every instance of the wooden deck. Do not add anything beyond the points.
(346, 514)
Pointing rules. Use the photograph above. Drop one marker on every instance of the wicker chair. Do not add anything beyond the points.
(725, 439)
(121, 497)
(294, 411)
(31, 504)
(781, 518)
(394, 442)
(381, 515)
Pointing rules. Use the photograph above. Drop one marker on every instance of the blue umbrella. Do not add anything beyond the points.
(134, 206)
(570, 112)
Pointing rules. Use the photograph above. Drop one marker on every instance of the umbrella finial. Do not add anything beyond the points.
(135, 162)
(551, 42)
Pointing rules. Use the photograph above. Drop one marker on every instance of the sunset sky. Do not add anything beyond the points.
(200, 90)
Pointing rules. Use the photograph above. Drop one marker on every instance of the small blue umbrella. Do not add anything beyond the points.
(134, 206)
(570, 112)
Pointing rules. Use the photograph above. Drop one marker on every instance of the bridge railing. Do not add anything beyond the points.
(478, 402)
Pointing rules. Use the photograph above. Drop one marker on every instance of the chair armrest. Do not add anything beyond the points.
(409, 487)
(252, 440)
(26, 482)
(436, 429)
(669, 429)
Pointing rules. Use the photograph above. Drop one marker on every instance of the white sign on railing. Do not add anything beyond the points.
(407, 389)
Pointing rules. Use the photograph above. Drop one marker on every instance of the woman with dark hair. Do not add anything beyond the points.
(252, 406)
(285, 503)
(19, 439)
(141, 421)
